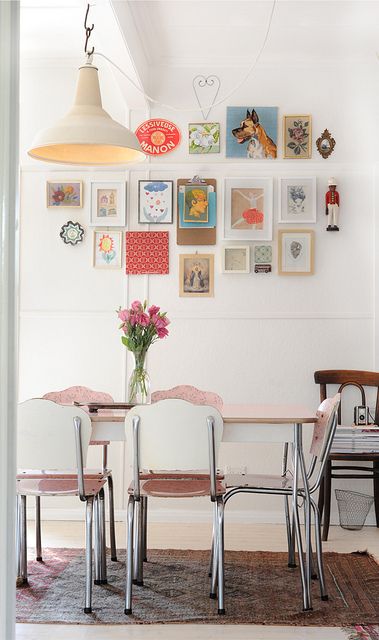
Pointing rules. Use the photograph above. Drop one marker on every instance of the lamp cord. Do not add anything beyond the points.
(215, 104)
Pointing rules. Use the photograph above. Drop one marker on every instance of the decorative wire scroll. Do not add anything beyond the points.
(88, 31)
(200, 82)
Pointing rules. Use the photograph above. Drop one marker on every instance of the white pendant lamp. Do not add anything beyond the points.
(87, 135)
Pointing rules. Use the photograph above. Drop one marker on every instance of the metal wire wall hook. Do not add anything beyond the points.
(88, 31)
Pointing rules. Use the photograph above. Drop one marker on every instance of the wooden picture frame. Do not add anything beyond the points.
(107, 249)
(325, 144)
(201, 267)
(66, 194)
(297, 137)
(236, 259)
(296, 252)
(108, 204)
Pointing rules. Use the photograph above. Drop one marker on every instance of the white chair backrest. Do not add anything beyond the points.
(173, 435)
(323, 434)
(46, 435)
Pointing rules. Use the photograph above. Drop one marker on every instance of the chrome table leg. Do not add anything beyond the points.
(307, 511)
(112, 531)
(38, 530)
(296, 519)
(220, 554)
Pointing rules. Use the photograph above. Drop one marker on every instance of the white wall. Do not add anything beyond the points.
(262, 336)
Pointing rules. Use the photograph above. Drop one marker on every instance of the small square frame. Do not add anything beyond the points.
(239, 248)
(119, 220)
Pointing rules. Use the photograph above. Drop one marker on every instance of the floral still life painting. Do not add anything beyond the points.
(155, 201)
(141, 326)
(297, 131)
(204, 137)
(107, 249)
(196, 275)
(72, 233)
(64, 194)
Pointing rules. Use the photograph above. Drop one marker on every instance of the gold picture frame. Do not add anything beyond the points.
(196, 275)
(297, 137)
(296, 252)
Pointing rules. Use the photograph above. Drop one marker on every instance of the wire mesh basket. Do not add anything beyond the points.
(353, 508)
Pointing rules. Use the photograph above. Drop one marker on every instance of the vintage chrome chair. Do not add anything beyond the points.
(323, 433)
(51, 454)
(84, 395)
(174, 447)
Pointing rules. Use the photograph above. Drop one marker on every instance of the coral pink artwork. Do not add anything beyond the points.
(146, 252)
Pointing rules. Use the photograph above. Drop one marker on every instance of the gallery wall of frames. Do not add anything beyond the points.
(229, 236)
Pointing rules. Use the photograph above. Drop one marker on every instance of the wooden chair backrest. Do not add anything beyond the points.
(347, 378)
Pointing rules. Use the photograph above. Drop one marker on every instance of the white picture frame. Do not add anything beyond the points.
(236, 259)
(108, 204)
(297, 200)
(162, 201)
(253, 223)
(107, 249)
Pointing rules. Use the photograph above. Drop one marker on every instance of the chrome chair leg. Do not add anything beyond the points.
(18, 542)
(214, 555)
(296, 519)
(89, 519)
(320, 564)
(290, 535)
(38, 530)
(23, 546)
(137, 558)
(144, 529)
(96, 545)
(112, 531)
(220, 554)
(102, 547)
(129, 557)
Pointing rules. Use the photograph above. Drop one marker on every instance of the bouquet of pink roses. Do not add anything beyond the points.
(142, 327)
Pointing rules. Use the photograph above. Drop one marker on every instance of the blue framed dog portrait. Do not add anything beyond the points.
(252, 132)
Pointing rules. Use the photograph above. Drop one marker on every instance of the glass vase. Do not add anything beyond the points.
(139, 382)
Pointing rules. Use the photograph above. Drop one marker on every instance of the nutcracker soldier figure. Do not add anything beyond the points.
(332, 202)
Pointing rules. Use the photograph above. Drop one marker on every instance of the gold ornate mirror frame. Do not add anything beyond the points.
(325, 149)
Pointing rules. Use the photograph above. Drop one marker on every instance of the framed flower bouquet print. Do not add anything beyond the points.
(297, 197)
(64, 194)
(296, 252)
(248, 209)
(297, 137)
(108, 208)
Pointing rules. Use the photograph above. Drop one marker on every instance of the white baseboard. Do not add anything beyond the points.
(184, 516)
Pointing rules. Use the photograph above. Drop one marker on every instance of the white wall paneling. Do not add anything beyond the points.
(262, 336)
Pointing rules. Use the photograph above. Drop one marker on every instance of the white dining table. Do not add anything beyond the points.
(244, 423)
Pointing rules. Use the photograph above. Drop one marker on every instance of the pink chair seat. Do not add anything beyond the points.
(62, 484)
(178, 486)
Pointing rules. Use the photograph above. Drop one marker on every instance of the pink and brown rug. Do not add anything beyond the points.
(259, 589)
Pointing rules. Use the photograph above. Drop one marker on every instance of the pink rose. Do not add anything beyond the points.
(132, 319)
(136, 306)
(142, 319)
(298, 133)
(153, 310)
(162, 332)
(124, 315)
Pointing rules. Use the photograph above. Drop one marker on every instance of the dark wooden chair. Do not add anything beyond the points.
(345, 378)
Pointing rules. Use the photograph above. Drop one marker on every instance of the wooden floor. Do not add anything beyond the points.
(250, 537)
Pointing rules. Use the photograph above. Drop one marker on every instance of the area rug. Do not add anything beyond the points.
(259, 589)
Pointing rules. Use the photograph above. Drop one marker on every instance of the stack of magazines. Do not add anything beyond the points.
(363, 439)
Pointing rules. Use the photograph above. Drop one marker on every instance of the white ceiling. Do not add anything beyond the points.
(230, 32)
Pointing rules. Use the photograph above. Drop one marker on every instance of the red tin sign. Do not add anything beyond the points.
(157, 136)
